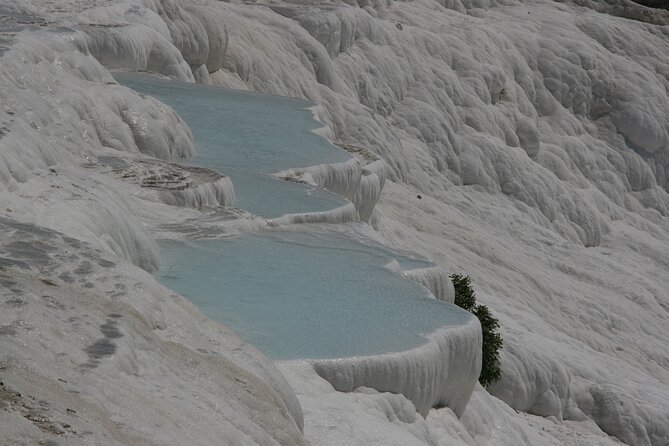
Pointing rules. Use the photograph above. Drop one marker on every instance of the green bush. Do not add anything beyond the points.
(464, 294)
(492, 341)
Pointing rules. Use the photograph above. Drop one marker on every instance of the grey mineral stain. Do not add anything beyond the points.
(7, 282)
(106, 263)
(73, 242)
(66, 277)
(110, 330)
(6, 262)
(34, 252)
(7, 330)
(100, 348)
(51, 302)
(27, 228)
(67, 257)
(84, 268)
(113, 161)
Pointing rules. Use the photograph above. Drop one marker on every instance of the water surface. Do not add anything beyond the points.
(301, 295)
(292, 295)
(248, 136)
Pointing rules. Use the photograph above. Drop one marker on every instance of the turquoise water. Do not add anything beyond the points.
(292, 295)
(248, 136)
(300, 295)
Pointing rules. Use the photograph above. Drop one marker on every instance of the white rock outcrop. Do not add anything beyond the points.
(442, 372)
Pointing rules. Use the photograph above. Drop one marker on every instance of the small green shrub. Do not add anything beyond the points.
(464, 294)
(492, 341)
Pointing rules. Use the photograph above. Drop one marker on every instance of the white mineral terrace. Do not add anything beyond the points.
(310, 294)
(521, 142)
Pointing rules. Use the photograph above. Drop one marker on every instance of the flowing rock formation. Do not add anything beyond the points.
(535, 133)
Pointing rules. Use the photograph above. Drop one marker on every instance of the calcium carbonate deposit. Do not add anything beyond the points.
(524, 143)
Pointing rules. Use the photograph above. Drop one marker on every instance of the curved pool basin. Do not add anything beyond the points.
(248, 136)
(308, 296)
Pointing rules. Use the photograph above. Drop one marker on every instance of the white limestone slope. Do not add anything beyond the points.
(535, 134)
(92, 349)
(534, 131)
(57, 111)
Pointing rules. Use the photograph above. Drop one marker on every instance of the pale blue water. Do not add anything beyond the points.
(293, 295)
(248, 136)
(300, 295)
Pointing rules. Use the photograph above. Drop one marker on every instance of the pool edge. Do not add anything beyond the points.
(441, 372)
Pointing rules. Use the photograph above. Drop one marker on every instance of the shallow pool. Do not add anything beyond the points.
(300, 295)
(293, 295)
(248, 136)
